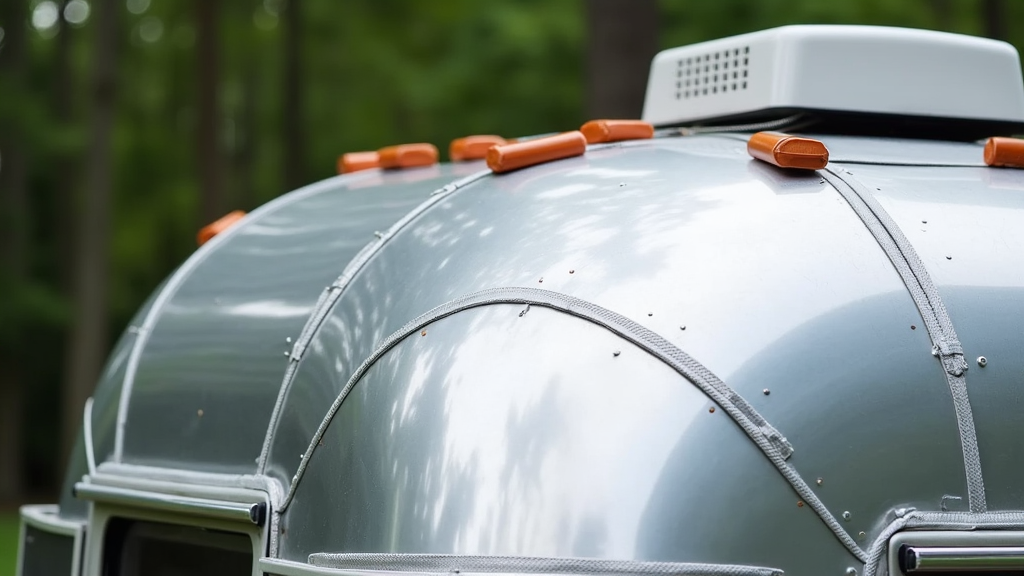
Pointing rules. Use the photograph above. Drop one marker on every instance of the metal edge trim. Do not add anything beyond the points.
(774, 446)
(46, 517)
(90, 453)
(289, 568)
(185, 271)
(207, 508)
(332, 293)
(479, 564)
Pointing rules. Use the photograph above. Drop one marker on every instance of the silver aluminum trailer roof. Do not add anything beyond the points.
(530, 363)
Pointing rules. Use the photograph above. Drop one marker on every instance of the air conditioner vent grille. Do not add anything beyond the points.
(712, 73)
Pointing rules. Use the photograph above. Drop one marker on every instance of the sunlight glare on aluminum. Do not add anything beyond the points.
(76, 12)
(45, 15)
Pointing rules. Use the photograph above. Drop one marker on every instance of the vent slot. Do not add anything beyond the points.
(713, 73)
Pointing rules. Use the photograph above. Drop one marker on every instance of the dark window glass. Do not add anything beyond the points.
(137, 548)
(46, 554)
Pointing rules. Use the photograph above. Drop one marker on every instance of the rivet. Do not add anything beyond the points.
(200, 412)
(650, 313)
(571, 271)
(912, 327)
(847, 515)
(982, 361)
(924, 221)
(616, 353)
(288, 340)
(851, 571)
(935, 351)
(287, 353)
(799, 503)
(541, 281)
(621, 184)
(711, 410)
(682, 327)
(424, 333)
(949, 257)
(819, 481)
(766, 391)
(861, 535)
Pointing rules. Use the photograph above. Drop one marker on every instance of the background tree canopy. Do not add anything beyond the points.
(125, 125)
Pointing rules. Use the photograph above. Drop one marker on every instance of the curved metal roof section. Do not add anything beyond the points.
(766, 277)
(205, 363)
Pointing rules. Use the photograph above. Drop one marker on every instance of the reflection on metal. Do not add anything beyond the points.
(331, 294)
(918, 559)
(46, 518)
(946, 345)
(459, 564)
(772, 443)
(253, 513)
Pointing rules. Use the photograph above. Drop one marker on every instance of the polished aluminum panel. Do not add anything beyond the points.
(210, 371)
(967, 225)
(874, 150)
(494, 432)
(766, 277)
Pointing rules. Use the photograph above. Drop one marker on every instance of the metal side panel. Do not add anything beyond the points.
(767, 278)
(967, 225)
(208, 375)
(499, 432)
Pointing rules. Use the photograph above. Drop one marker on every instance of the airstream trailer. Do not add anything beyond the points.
(775, 327)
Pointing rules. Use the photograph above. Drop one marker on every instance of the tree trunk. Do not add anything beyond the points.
(63, 111)
(294, 139)
(212, 204)
(623, 38)
(14, 235)
(88, 346)
(995, 18)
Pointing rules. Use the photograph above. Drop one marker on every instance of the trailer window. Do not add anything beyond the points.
(137, 548)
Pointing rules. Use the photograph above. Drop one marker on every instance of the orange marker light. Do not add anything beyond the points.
(472, 147)
(597, 131)
(1008, 152)
(408, 156)
(787, 151)
(356, 161)
(510, 157)
(214, 228)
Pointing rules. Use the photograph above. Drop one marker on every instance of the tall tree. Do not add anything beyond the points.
(88, 348)
(294, 138)
(14, 234)
(622, 39)
(63, 206)
(994, 12)
(208, 130)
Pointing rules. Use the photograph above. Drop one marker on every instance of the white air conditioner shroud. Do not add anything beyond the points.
(862, 69)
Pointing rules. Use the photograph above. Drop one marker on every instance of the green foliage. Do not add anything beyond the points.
(375, 72)
(9, 526)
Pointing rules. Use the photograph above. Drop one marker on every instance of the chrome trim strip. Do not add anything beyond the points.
(252, 513)
(45, 517)
(460, 564)
(437, 563)
(918, 559)
(90, 453)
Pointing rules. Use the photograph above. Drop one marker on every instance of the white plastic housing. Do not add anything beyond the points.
(840, 68)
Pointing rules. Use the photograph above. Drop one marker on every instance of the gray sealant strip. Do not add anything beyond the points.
(455, 564)
(183, 273)
(332, 293)
(946, 345)
(773, 444)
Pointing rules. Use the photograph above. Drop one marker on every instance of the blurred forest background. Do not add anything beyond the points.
(125, 125)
